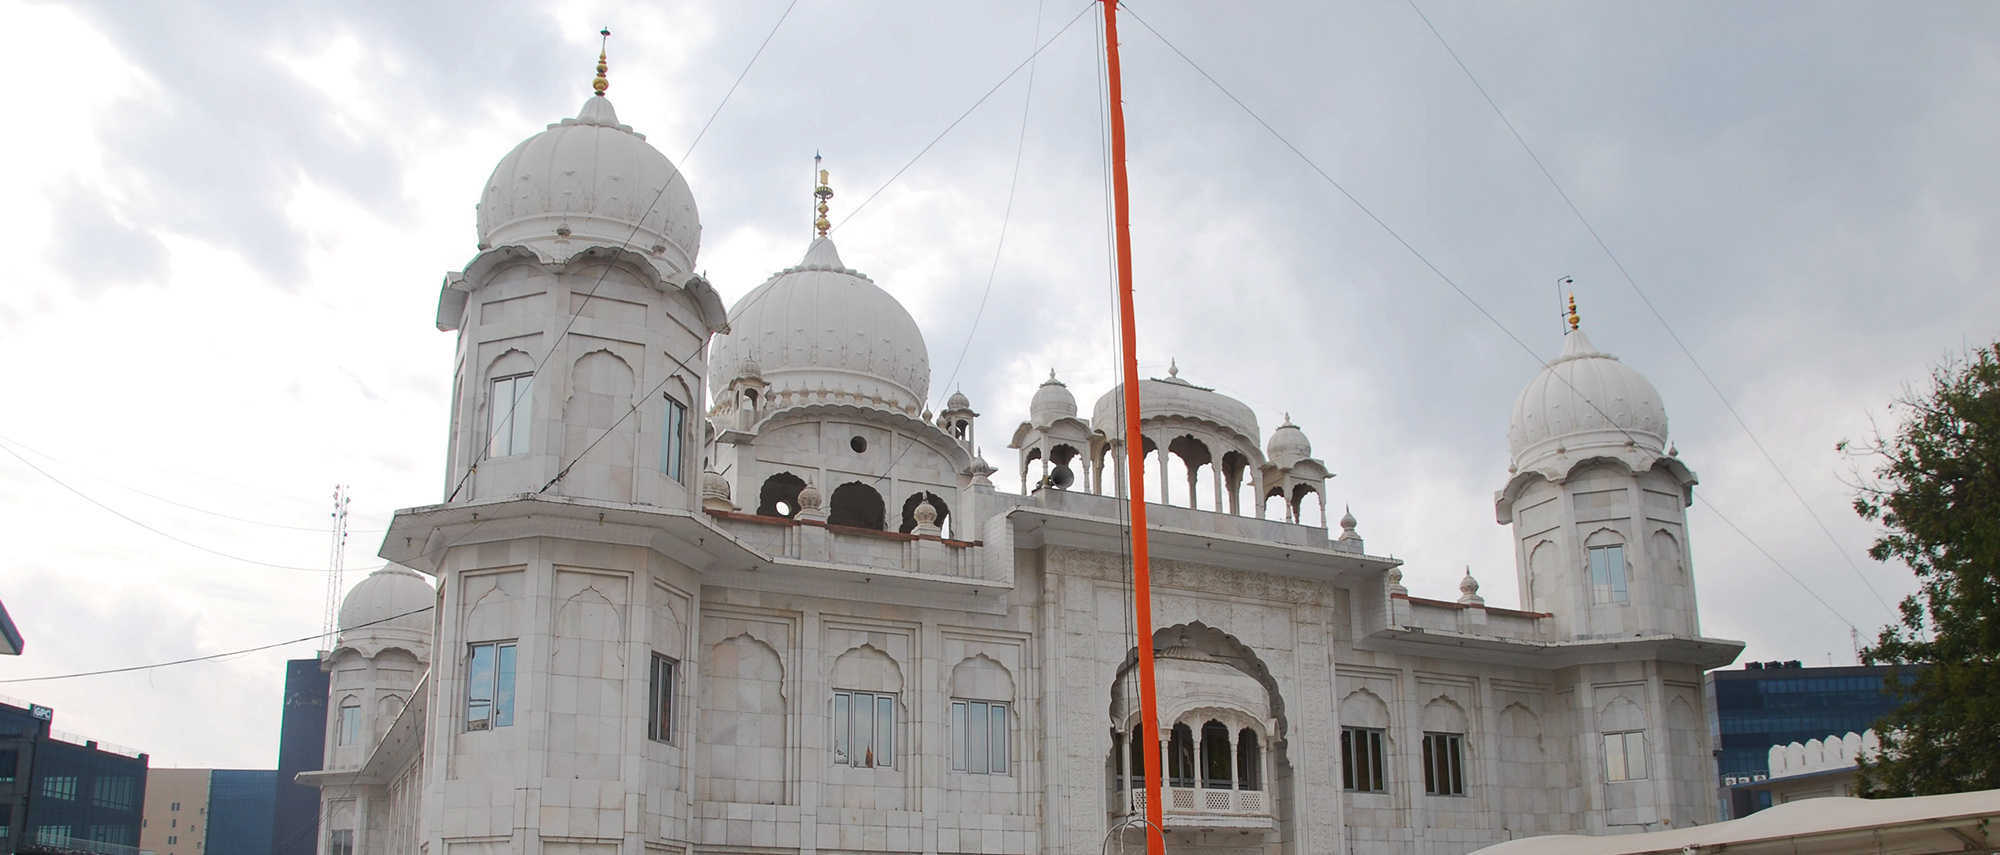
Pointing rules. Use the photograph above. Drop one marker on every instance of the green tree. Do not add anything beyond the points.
(1936, 494)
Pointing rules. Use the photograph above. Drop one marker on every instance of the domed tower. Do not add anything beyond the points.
(841, 374)
(382, 649)
(1292, 473)
(1204, 428)
(581, 323)
(1598, 500)
(1055, 437)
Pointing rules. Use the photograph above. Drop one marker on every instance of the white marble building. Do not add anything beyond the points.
(716, 581)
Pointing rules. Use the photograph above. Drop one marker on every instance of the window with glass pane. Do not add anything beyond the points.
(350, 724)
(340, 842)
(864, 728)
(1180, 756)
(660, 705)
(489, 686)
(1249, 763)
(979, 737)
(1361, 761)
(1625, 756)
(1444, 764)
(1607, 573)
(510, 413)
(59, 787)
(673, 429)
(1215, 772)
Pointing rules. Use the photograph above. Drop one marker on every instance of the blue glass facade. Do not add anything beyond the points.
(241, 806)
(58, 797)
(1778, 703)
(301, 748)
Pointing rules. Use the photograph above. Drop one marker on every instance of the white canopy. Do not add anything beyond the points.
(1832, 826)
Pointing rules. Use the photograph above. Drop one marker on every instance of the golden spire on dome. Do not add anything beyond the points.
(822, 193)
(602, 83)
(1573, 319)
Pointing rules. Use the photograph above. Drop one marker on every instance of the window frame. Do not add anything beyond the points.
(673, 439)
(660, 685)
(880, 730)
(340, 841)
(1444, 764)
(1371, 775)
(1609, 580)
(347, 725)
(1631, 748)
(499, 684)
(504, 410)
(995, 754)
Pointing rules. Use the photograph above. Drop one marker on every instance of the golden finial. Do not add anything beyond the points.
(602, 83)
(822, 193)
(1572, 310)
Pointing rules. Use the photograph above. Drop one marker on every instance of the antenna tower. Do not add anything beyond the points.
(336, 562)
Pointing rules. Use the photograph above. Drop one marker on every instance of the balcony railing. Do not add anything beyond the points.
(1191, 806)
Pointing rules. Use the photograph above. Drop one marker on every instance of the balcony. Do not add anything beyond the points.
(1195, 807)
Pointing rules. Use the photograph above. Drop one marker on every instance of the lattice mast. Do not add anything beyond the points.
(336, 564)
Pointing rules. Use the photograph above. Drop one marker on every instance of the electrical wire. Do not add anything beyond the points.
(962, 116)
(1006, 216)
(313, 637)
(1648, 301)
(184, 505)
(121, 515)
(1441, 275)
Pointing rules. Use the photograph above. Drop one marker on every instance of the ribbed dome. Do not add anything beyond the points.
(599, 180)
(821, 326)
(1051, 402)
(1288, 445)
(1176, 397)
(958, 401)
(1584, 403)
(381, 606)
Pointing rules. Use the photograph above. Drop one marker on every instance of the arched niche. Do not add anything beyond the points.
(779, 497)
(857, 505)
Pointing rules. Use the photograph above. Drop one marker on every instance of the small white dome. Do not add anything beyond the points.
(1288, 445)
(1051, 402)
(820, 326)
(1586, 403)
(958, 401)
(600, 181)
(1176, 397)
(389, 603)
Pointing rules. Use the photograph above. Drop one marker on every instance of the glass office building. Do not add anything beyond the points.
(1779, 703)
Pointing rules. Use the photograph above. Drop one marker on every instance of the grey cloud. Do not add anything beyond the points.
(99, 252)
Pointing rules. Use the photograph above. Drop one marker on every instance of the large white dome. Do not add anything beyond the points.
(1585, 404)
(821, 327)
(1176, 397)
(388, 604)
(598, 180)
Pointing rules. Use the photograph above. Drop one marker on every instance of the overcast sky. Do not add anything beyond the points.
(231, 219)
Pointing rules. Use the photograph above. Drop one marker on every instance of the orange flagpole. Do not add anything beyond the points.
(1135, 464)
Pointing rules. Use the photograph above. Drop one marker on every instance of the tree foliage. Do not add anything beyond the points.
(1936, 494)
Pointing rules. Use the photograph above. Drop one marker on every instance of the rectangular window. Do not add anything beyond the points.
(489, 686)
(673, 439)
(9, 760)
(864, 728)
(1607, 573)
(172, 839)
(350, 724)
(1625, 756)
(1361, 761)
(1444, 764)
(660, 706)
(340, 842)
(512, 409)
(177, 806)
(59, 787)
(117, 792)
(979, 737)
(53, 835)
